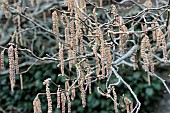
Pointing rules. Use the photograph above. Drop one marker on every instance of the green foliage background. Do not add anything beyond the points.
(21, 100)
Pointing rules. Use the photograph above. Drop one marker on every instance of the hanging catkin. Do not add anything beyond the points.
(88, 78)
(2, 59)
(102, 51)
(146, 44)
(143, 45)
(83, 94)
(11, 66)
(19, 23)
(63, 102)
(161, 39)
(62, 17)
(95, 48)
(129, 105)
(73, 92)
(48, 94)
(16, 60)
(61, 57)
(37, 105)
(5, 6)
(70, 4)
(81, 42)
(153, 32)
(58, 97)
(55, 22)
(115, 99)
(108, 59)
(68, 95)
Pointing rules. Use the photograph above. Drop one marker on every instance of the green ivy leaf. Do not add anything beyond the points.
(149, 91)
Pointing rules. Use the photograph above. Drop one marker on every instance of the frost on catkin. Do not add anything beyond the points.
(37, 105)
(48, 94)
(11, 67)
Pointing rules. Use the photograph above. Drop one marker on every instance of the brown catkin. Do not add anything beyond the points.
(102, 51)
(115, 99)
(113, 10)
(88, 78)
(16, 60)
(2, 59)
(67, 86)
(58, 97)
(78, 31)
(95, 17)
(143, 45)
(153, 32)
(48, 94)
(11, 66)
(95, 48)
(5, 6)
(164, 49)
(159, 35)
(161, 40)
(62, 17)
(37, 105)
(19, 23)
(73, 92)
(63, 101)
(61, 57)
(68, 96)
(148, 46)
(129, 105)
(70, 55)
(72, 28)
(72, 41)
(69, 106)
(70, 4)
(134, 60)
(108, 59)
(83, 94)
(151, 59)
(67, 36)
(81, 42)
(55, 22)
